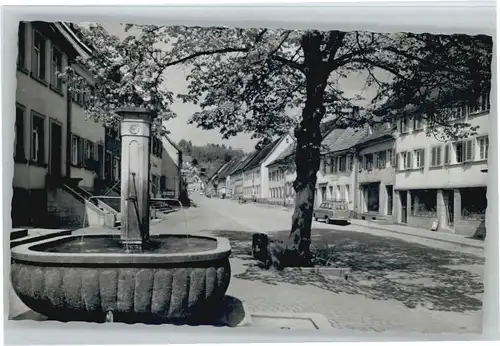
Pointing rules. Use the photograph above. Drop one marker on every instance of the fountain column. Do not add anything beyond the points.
(135, 160)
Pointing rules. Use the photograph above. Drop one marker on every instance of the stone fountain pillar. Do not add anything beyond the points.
(135, 160)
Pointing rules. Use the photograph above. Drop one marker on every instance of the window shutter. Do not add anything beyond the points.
(422, 158)
(446, 154)
(469, 144)
(81, 144)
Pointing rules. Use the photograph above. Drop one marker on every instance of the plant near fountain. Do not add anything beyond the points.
(133, 277)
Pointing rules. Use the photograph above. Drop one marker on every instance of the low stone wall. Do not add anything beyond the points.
(29, 207)
(66, 211)
(421, 222)
(471, 228)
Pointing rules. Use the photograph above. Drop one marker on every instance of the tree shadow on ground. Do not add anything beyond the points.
(381, 268)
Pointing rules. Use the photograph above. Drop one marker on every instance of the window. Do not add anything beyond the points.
(464, 151)
(342, 163)
(419, 158)
(459, 152)
(56, 68)
(482, 104)
(418, 123)
(21, 48)
(19, 135)
(457, 112)
(389, 158)
(75, 150)
(347, 192)
(38, 63)
(424, 203)
(116, 168)
(37, 139)
(324, 165)
(436, 156)
(381, 159)
(394, 158)
(350, 161)
(483, 144)
(368, 162)
(332, 164)
(404, 125)
(406, 159)
(77, 93)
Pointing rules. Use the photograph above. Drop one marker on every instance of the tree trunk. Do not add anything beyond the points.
(308, 151)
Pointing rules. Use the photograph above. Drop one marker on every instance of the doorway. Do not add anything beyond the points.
(108, 166)
(100, 160)
(55, 164)
(323, 194)
(450, 207)
(404, 206)
(388, 188)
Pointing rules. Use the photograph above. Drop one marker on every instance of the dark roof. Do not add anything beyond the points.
(289, 151)
(380, 132)
(229, 167)
(329, 141)
(245, 162)
(217, 171)
(345, 140)
(262, 154)
(237, 167)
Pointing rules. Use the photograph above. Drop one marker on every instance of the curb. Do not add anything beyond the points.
(420, 236)
(340, 272)
(317, 320)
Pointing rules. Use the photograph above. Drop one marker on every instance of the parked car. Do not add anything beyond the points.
(332, 210)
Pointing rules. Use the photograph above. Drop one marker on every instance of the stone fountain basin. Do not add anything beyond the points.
(55, 280)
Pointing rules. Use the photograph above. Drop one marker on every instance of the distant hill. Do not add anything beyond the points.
(210, 156)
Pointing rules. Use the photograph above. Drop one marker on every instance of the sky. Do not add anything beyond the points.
(179, 127)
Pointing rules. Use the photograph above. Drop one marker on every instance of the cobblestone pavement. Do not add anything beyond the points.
(399, 283)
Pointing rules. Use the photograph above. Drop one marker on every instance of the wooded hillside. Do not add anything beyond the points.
(210, 156)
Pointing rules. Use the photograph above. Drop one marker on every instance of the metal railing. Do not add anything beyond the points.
(150, 200)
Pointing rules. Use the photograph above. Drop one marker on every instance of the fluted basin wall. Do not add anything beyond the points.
(168, 291)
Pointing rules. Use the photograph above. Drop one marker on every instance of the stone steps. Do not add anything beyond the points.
(37, 234)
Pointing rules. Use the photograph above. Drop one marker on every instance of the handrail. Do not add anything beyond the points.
(73, 192)
(150, 199)
(111, 188)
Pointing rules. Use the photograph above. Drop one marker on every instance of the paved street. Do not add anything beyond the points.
(399, 283)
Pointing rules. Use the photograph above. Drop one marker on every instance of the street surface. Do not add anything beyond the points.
(399, 283)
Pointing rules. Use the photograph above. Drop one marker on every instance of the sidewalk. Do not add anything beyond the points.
(399, 229)
(421, 233)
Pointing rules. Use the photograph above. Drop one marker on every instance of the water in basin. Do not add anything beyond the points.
(170, 244)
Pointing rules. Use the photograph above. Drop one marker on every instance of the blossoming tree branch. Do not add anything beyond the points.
(251, 80)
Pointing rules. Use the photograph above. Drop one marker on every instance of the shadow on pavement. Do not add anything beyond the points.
(381, 268)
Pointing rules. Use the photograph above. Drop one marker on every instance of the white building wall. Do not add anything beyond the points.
(339, 185)
(447, 176)
(264, 176)
(385, 176)
(86, 128)
(446, 179)
(35, 96)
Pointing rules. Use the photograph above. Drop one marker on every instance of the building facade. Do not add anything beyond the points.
(281, 175)
(376, 158)
(440, 183)
(336, 177)
(54, 139)
(256, 174)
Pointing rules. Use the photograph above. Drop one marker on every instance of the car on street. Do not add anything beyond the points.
(332, 210)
